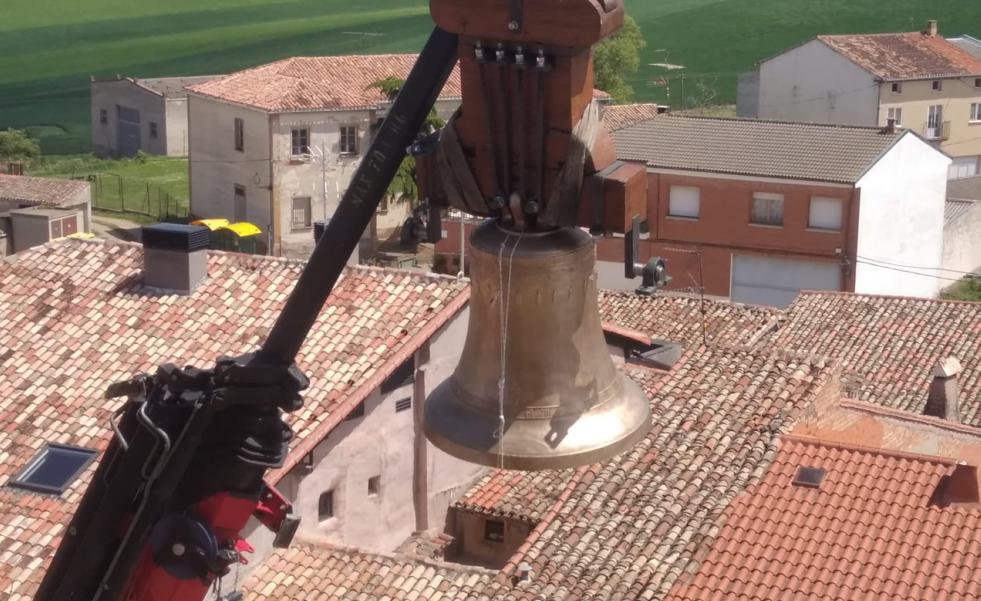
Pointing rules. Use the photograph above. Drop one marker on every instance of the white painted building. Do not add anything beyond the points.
(920, 80)
(276, 145)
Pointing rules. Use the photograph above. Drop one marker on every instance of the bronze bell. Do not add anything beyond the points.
(564, 402)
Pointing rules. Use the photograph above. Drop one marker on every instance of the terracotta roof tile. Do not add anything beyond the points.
(681, 318)
(871, 531)
(618, 116)
(40, 191)
(894, 56)
(316, 83)
(809, 151)
(75, 317)
(888, 345)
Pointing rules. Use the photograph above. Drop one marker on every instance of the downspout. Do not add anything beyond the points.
(420, 458)
(275, 236)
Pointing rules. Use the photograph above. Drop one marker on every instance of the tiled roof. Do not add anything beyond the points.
(75, 317)
(968, 44)
(320, 573)
(809, 151)
(316, 83)
(966, 188)
(896, 56)
(40, 191)
(871, 531)
(618, 116)
(681, 318)
(625, 529)
(955, 209)
(173, 87)
(889, 345)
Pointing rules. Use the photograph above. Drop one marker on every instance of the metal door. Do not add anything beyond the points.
(128, 134)
(776, 282)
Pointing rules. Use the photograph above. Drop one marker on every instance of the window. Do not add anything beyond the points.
(809, 477)
(356, 413)
(241, 205)
(825, 214)
(153, 130)
(767, 209)
(895, 115)
(302, 213)
(53, 469)
(300, 138)
(403, 405)
(104, 116)
(239, 135)
(975, 111)
(494, 531)
(977, 82)
(374, 485)
(349, 140)
(402, 376)
(325, 507)
(935, 121)
(897, 87)
(938, 85)
(684, 202)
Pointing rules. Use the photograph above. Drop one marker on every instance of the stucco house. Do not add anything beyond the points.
(962, 228)
(131, 114)
(276, 145)
(919, 80)
(757, 211)
(76, 316)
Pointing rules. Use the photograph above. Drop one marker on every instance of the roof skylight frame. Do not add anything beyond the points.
(808, 476)
(22, 480)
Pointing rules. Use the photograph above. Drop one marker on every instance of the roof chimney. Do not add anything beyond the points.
(890, 127)
(944, 396)
(175, 257)
(931, 28)
(959, 488)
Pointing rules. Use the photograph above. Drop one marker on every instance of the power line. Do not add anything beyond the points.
(926, 275)
(966, 273)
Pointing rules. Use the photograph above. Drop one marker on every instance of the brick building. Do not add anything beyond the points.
(757, 211)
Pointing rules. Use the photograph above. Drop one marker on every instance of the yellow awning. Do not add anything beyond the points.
(211, 224)
(243, 230)
(82, 236)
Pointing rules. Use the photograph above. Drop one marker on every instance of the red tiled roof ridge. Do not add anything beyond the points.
(846, 446)
(901, 414)
(919, 299)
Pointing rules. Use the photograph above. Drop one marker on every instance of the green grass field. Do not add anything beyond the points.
(48, 48)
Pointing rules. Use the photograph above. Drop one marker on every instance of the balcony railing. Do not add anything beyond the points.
(937, 131)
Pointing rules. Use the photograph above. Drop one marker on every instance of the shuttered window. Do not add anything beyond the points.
(300, 141)
(767, 209)
(685, 201)
(825, 214)
(349, 140)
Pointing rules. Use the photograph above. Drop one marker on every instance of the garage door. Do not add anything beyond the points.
(127, 131)
(776, 282)
(964, 167)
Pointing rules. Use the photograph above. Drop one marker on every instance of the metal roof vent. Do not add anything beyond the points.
(809, 477)
(175, 256)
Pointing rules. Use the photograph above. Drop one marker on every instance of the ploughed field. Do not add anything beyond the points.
(48, 48)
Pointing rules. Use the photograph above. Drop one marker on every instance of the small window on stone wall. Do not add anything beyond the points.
(494, 531)
(326, 506)
(374, 485)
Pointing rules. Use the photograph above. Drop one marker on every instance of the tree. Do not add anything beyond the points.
(17, 147)
(618, 57)
(404, 185)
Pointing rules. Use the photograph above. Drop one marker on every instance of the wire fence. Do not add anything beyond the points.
(116, 194)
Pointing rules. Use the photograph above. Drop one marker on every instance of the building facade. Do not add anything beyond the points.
(919, 80)
(129, 115)
(757, 211)
(35, 210)
(277, 145)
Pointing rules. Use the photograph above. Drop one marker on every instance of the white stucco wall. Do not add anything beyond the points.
(814, 83)
(901, 221)
(107, 95)
(175, 130)
(216, 167)
(962, 244)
